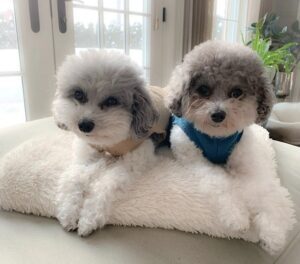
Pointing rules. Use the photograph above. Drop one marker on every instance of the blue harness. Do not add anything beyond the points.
(215, 149)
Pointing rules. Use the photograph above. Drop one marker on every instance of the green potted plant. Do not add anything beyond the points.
(279, 35)
(278, 49)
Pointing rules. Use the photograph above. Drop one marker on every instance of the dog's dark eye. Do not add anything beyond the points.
(109, 102)
(235, 93)
(80, 96)
(204, 90)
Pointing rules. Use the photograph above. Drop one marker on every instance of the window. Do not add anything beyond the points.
(29, 59)
(122, 25)
(230, 20)
(11, 91)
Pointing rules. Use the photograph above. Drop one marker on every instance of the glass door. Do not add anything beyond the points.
(12, 109)
(121, 25)
(27, 82)
(37, 35)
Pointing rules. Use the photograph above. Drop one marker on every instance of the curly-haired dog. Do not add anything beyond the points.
(215, 95)
(101, 97)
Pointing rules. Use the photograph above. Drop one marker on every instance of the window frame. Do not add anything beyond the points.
(240, 21)
(126, 12)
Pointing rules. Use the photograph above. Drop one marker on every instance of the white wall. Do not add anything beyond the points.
(167, 40)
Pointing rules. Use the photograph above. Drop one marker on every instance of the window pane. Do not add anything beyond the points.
(11, 101)
(142, 6)
(114, 37)
(221, 8)
(9, 54)
(136, 38)
(86, 2)
(147, 75)
(233, 10)
(219, 29)
(226, 30)
(114, 4)
(86, 28)
(232, 33)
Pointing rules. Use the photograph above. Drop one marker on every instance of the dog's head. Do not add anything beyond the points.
(101, 97)
(221, 88)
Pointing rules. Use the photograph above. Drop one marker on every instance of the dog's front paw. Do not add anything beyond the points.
(272, 235)
(90, 223)
(272, 240)
(238, 223)
(68, 222)
(236, 218)
(85, 227)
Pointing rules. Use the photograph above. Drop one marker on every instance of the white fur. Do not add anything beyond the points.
(205, 83)
(89, 186)
(191, 194)
(85, 190)
(94, 179)
(252, 184)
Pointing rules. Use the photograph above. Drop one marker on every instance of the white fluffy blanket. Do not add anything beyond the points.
(243, 200)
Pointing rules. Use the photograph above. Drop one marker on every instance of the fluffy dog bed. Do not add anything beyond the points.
(172, 196)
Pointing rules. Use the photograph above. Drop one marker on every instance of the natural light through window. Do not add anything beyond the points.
(121, 25)
(230, 19)
(11, 91)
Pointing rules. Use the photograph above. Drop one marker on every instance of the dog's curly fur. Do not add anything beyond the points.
(243, 199)
(218, 76)
(102, 98)
(222, 68)
(101, 75)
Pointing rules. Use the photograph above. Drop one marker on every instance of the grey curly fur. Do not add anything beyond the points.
(144, 113)
(221, 61)
(100, 75)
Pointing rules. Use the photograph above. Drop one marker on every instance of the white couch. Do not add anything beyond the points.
(284, 123)
(37, 240)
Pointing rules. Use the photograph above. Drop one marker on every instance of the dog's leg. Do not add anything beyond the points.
(97, 205)
(74, 182)
(233, 213)
(274, 218)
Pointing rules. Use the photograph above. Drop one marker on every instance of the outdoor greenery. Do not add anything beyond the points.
(113, 36)
(85, 36)
(8, 36)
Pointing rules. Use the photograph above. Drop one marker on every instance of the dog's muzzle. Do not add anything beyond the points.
(86, 125)
(218, 117)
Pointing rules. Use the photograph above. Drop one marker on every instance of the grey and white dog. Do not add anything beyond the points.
(221, 88)
(102, 98)
(217, 95)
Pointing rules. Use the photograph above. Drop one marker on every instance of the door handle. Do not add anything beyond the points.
(62, 19)
(34, 15)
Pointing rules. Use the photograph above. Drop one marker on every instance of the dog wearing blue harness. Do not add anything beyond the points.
(216, 92)
(215, 149)
(216, 95)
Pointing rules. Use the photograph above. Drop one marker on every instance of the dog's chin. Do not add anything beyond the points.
(101, 140)
(218, 129)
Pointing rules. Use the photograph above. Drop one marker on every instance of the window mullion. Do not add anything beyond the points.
(10, 73)
(126, 26)
(101, 23)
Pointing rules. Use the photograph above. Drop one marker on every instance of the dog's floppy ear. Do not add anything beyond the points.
(61, 125)
(175, 90)
(265, 99)
(175, 104)
(144, 113)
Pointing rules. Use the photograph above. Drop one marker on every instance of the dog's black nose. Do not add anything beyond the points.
(86, 125)
(218, 117)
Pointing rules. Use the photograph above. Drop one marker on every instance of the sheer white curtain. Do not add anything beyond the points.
(231, 18)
